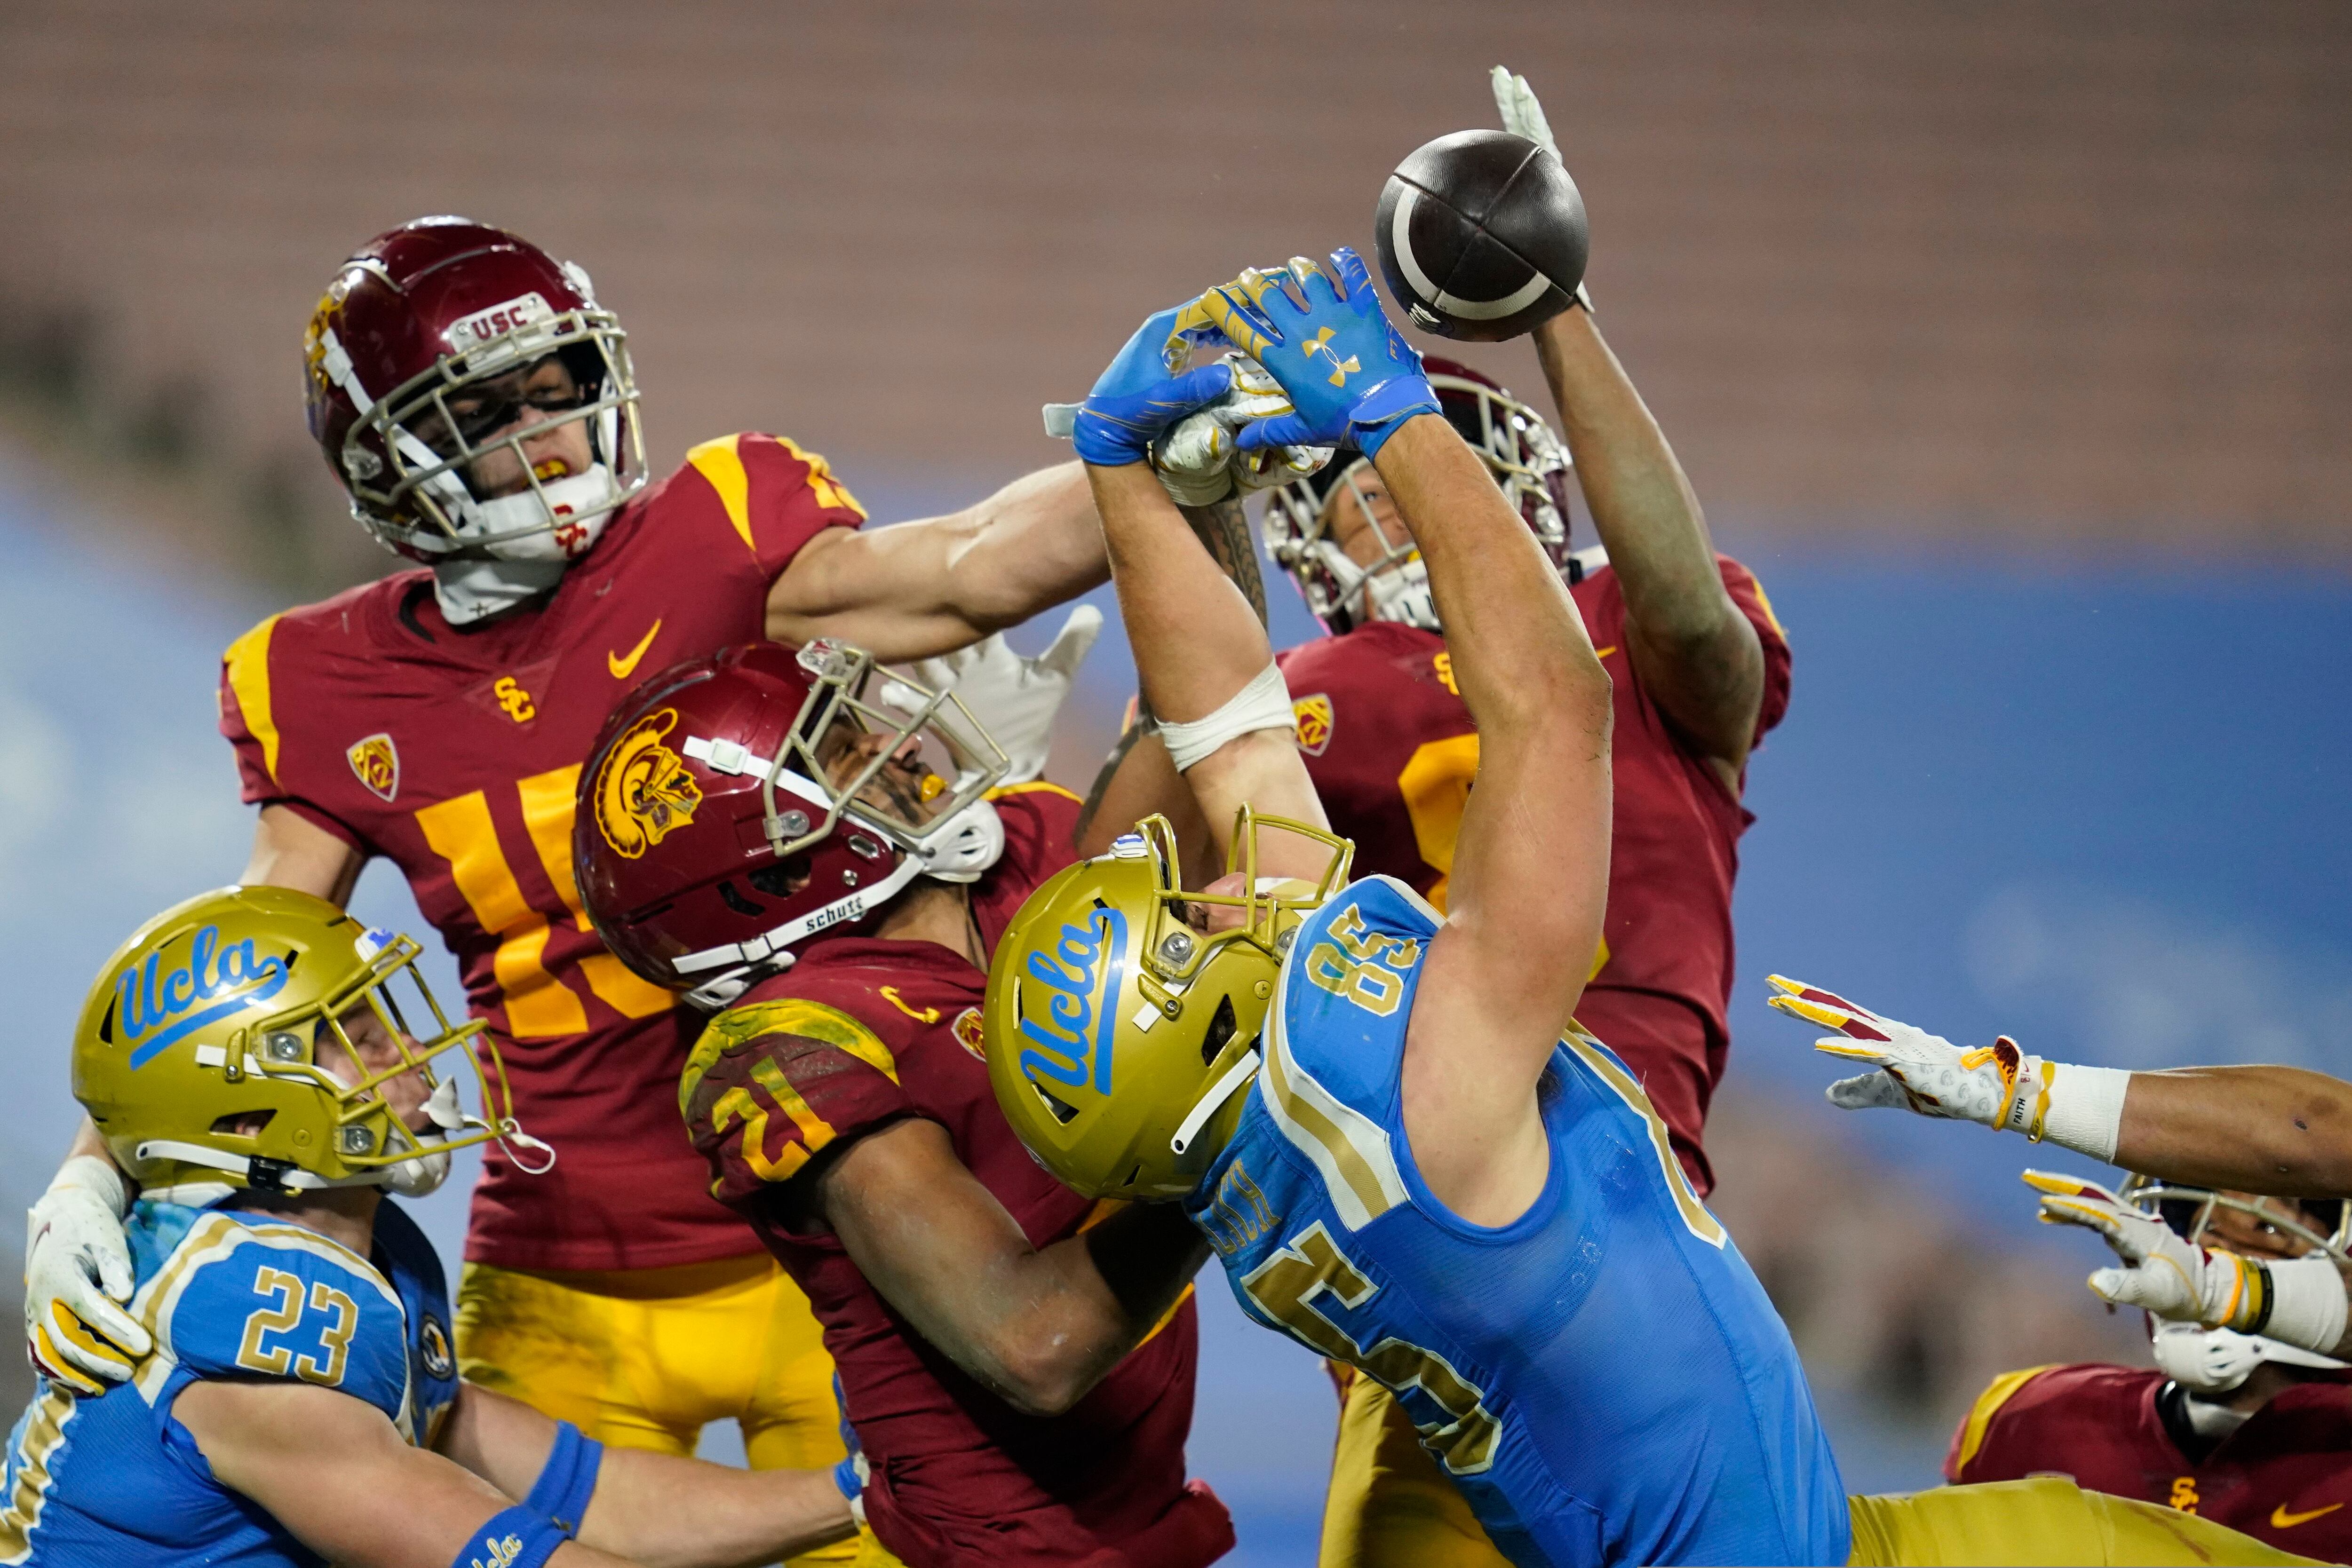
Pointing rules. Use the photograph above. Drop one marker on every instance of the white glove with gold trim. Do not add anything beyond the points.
(76, 1268)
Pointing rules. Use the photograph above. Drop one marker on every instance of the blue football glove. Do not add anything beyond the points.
(1349, 374)
(1139, 396)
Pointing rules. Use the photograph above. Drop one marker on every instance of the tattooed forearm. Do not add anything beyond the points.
(1094, 801)
(1223, 531)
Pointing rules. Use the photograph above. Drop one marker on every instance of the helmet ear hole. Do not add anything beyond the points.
(1221, 1030)
(1062, 1111)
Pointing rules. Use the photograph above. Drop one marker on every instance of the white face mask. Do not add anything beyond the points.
(2215, 1360)
(520, 554)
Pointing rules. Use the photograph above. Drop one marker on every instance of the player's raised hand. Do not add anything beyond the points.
(1515, 100)
(76, 1268)
(1016, 698)
(1321, 334)
(1139, 396)
(2161, 1273)
(1198, 462)
(1995, 1084)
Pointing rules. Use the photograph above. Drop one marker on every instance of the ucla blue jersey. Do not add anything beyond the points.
(117, 1482)
(1603, 1377)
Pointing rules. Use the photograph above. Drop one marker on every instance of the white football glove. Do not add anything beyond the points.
(76, 1268)
(1197, 461)
(2162, 1274)
(1515, 100)
(1995, 1085)
(1017, 699)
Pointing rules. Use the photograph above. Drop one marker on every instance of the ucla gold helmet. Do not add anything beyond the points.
(1123, 1012)
(198, 1051)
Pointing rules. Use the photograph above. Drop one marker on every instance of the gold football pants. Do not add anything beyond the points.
(1391, 1507)
(645, 1358)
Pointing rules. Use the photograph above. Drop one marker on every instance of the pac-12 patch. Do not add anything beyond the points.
(966, 1033)
(432, 1343)
(377, 762)
(1312, 715)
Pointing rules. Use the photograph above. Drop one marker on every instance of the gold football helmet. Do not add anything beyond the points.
(197, 1052)
(1121, 1019)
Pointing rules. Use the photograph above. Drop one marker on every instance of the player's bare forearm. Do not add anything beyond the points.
(1698, 655)
(1196, 637)
(912, 590)
(1037, 1326)
(335, 1473)
(1222, 529)
(2281, 1131)
(1532, 857)
(291, 850)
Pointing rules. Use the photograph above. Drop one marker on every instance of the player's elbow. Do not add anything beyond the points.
(1038, 1374)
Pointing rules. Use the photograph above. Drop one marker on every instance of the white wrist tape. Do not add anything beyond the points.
(95, 1176)
(2307, 1303)
(2087, 1109)
(1263, 704)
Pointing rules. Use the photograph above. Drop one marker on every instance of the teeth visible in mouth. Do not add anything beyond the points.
(933, 786)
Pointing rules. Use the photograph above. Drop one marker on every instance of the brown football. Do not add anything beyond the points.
(1481, 234)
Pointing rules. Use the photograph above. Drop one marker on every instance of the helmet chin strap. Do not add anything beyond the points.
(519, 545)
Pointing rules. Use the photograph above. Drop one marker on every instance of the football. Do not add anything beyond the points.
(1480, 236)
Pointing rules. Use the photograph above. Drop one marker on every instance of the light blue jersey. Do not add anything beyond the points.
(117, 1481)
(1603, 1377)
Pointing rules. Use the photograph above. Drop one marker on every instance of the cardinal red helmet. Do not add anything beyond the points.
(442, 305)
(710, 841)
(1519, 450)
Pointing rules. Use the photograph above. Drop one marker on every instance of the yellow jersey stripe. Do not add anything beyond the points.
(719, 463)
(1034, 786)
(1348, 1147)
(20, 1511)
(248, 662)
(788, 1015)
(1998, 1393)
(538, 1005)
(828, 490)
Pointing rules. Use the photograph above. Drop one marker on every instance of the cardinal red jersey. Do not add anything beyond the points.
(455, 753)
(2284, 1477)
(1392, 752)
(858, 1034)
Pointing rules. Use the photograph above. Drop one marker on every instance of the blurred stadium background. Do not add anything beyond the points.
(2009, 342)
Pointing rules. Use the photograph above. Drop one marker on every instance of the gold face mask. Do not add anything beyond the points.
(199, 1053)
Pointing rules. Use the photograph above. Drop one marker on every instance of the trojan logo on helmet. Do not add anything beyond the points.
(739, 807)
(643, 789)
(1527, 461)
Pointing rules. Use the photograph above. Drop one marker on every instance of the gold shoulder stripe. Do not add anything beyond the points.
(247, 663)
(1998, 1393)
(828, 490)
(1589, 1051)
(1034, 786)
(719, 463)
(788, 1015)
(1764, 603)
(41, 1432)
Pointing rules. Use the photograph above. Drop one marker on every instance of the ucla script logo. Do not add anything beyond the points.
(215, 982)
(1082, 975)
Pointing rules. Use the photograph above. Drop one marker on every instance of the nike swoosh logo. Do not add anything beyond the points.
(621, 665)
(2282, 1519)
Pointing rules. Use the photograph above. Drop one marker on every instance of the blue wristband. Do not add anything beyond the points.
(1384, 410)
(567, 1480)
(845, 1476)
(516, 1538)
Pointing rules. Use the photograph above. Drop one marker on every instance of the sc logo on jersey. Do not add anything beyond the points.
(1081, 980)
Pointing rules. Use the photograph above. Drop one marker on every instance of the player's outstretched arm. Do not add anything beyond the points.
(2285, 1132)
(290, 851)
(1697, 654)
(1039, 1326)
(915, 590)
(660, 1510)
(332, 1471)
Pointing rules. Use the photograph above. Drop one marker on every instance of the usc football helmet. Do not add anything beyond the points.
(1121, 1023)
(1526, 460)
(2215, 1360)
(427, 346)
(197, 1052)
(711, 840)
